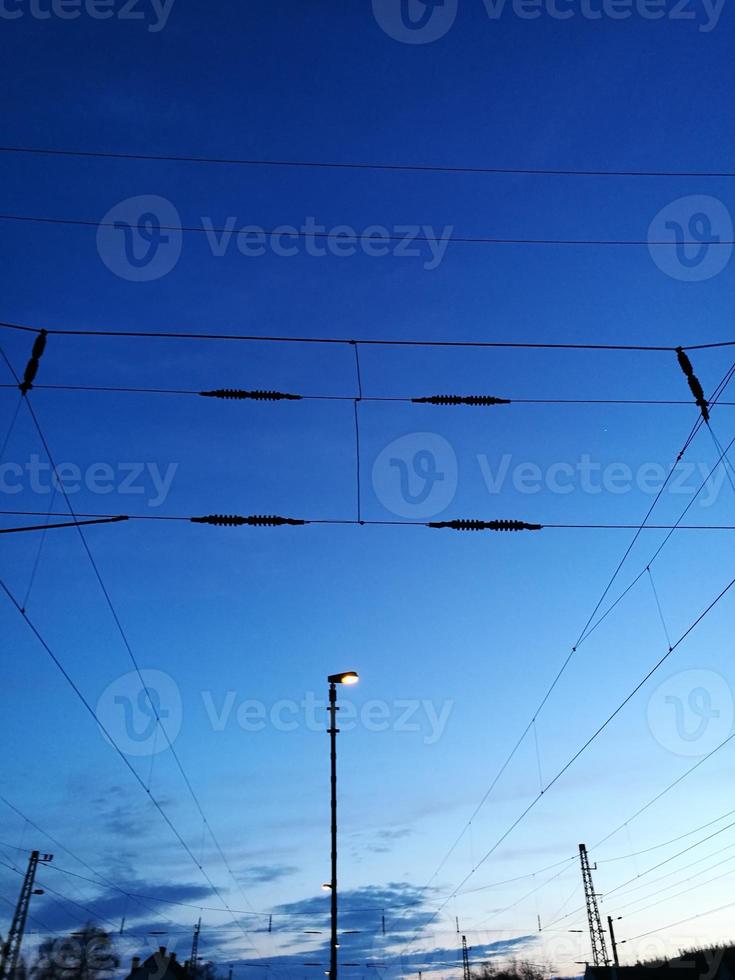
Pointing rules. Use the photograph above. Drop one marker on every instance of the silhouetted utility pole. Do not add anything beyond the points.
(346, 677)
(195, 948)
(597, 936)
(465, 960)
(11, 946)
(616, 961)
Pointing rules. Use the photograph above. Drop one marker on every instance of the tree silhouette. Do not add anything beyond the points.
(88, 954)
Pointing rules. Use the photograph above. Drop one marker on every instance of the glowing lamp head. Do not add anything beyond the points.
(346, 677)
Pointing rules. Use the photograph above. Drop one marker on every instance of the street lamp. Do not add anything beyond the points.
(346, 677)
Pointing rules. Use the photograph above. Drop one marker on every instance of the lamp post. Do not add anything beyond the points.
(346, 677)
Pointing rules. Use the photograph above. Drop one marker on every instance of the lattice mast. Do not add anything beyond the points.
(465, 959)
(10, 955)
(597, 936)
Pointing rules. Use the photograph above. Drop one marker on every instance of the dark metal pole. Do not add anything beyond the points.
(612, 939)
(333, 709)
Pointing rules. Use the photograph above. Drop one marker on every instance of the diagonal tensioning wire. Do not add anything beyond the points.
(126, 642)
(39, 552)
(713, 401)
(658, 606)
(102, 879)
(128, 646)
(157, 804)
(583, 748)
(717, 748)
(729, 469)
(568, 659)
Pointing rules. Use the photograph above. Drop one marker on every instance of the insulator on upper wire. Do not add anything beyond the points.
(260, 396)
(461, 400)
(254, 520)
(694, 383)
(29, 375)
(470, 525)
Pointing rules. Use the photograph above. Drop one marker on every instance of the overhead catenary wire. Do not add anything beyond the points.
(363, 341)
(434, 168)
(100, 878)
(562, 669)
(37, 349)
(358, 237)
(128, 765)
(232, 394)
(274, 521)
(566, 766)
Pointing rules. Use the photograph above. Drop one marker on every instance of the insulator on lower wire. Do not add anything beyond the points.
(461, 400)
(254, 520)
(695, 385)
(471, 525)
(29, 375)
(240, 394)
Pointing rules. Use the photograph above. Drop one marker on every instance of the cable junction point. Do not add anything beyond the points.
(461, 400)
(471, 525)
(254, 520)
(238, 394)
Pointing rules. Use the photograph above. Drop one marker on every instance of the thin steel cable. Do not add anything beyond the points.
(570, 762)
(365, 341)
(680, 922)
(405, 399)
(37, 559)
(658, 606)
(433, 168)
(329, 522)
(357, 237)
(132, 656)
(128, 765)
(568, 659)
(100, 878)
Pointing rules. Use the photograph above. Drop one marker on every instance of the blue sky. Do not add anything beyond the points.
(456, 636)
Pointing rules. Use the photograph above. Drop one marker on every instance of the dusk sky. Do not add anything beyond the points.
(457, 636)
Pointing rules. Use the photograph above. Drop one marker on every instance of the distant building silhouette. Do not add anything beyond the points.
(158, 966)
